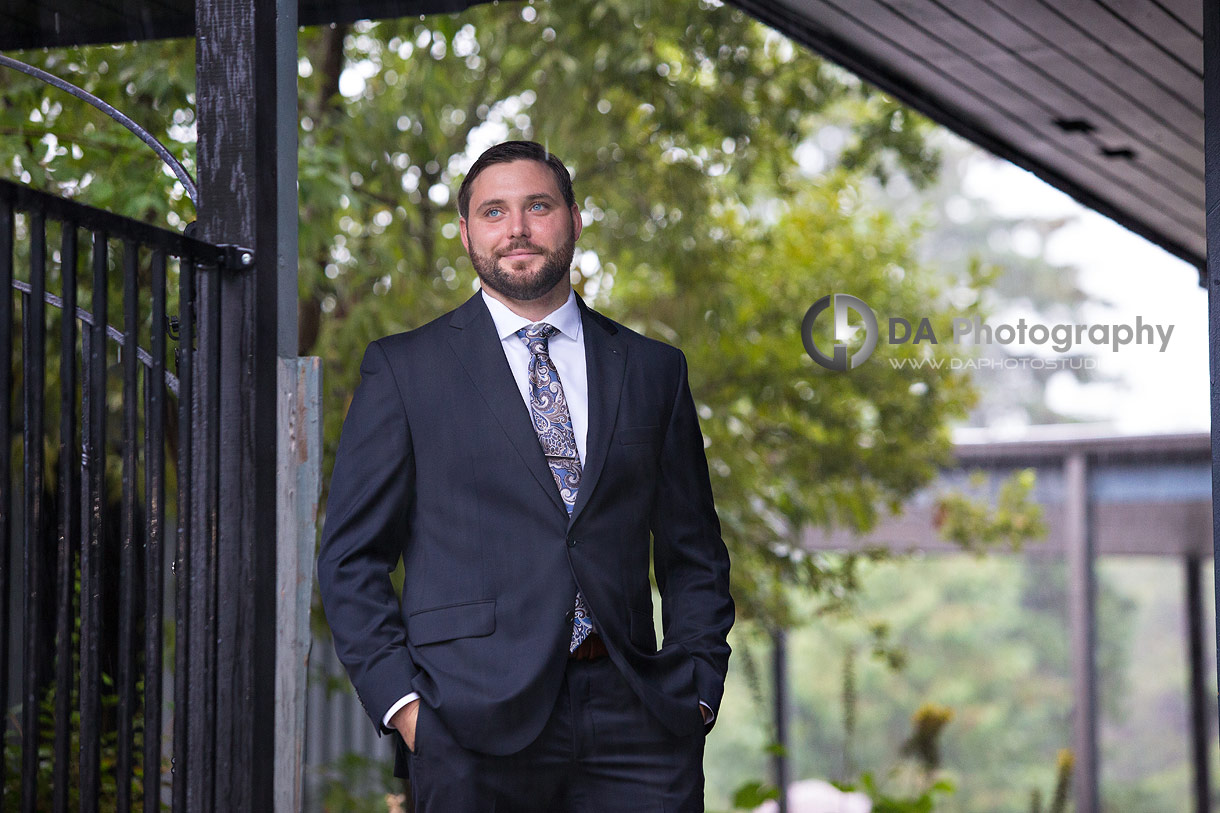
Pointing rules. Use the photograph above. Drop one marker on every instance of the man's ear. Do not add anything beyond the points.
(577, 224)
(462, 232)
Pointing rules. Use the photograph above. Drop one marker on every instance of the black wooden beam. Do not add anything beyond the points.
(35, 24)
(240, 135)
(1211, 152)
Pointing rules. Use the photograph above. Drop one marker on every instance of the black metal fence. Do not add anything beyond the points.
(108, 508)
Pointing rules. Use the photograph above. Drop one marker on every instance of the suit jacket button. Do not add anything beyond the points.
(570, 617)
(571, 541)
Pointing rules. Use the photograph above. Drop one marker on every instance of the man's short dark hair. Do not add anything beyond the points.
(516, 151)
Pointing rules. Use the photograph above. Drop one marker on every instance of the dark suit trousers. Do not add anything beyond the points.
(600, 751)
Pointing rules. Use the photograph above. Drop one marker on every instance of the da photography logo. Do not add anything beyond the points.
(841, 304)
(1062, 339)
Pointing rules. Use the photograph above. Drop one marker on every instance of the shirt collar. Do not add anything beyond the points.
(565, 318)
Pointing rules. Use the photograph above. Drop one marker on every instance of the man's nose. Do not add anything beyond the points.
(518, 225)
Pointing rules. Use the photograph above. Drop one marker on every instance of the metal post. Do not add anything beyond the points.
(33, 343)
(1211, 152)
(1200, 750)
(93, 457)
(184, 743)
(154, 513)
(1082, 623)
(239, 75)
(779, 677)
(7, 552)
(68, 543)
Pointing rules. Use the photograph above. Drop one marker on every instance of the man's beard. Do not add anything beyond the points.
(525, 287)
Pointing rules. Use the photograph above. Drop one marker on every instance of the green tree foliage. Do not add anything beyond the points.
(985, 637)
(682, 124)
(56, 143)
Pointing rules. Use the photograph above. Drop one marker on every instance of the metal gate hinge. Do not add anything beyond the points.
(237, 258)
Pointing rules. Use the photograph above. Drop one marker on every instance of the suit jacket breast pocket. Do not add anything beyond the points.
(632, 435)
(471, 619)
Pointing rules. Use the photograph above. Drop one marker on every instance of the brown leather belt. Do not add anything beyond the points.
(590, 649)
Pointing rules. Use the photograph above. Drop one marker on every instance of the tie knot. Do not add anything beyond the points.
(536, 337)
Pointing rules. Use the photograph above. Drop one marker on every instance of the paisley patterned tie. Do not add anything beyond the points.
(553, 423)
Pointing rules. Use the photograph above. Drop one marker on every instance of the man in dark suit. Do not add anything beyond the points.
(518, 453)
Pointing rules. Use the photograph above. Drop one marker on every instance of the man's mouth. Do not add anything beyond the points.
(520, 254)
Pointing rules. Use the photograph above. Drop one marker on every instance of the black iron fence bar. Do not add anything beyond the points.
(69, 522)
(33, 325)
(127, 530)
(51, 602)
(183, 550)
(117, 336)
(154, 510)
(94, 465)
(229, 257)
(6, 389)
(204, 553)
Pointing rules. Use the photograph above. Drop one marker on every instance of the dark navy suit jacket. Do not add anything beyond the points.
(439, 464)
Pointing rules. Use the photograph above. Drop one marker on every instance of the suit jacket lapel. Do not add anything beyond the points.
(474, 342)
(605, 360)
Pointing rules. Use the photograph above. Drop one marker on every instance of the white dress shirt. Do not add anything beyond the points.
(567, 351)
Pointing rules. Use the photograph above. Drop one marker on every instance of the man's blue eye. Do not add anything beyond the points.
(492, 212)
(538, 206)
